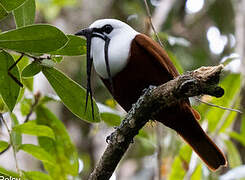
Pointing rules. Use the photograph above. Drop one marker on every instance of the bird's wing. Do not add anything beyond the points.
(162, 58)
(158, 52)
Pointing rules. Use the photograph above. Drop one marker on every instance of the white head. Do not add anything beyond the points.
(120, 35)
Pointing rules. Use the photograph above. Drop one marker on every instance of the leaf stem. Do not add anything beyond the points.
(150, 20)
(36, 97)
(221, 107)
(11, 143)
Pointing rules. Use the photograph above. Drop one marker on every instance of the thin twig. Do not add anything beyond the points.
(225, 115)
(16, 62)
(11, 67)
(221, 107)
(35, 58)
(150, 20)
(11, 143)
(36, 97)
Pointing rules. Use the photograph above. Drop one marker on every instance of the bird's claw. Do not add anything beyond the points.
(109, 138)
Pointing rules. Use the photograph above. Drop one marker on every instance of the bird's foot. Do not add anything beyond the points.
(110, 137)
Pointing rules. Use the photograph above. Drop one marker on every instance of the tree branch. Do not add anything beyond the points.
(201, 81)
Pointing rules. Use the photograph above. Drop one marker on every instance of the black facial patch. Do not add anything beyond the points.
(107, 28)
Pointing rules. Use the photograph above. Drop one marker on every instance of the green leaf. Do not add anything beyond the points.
(234, 158)
(180, 161)
(76, 46)
(28, 83)
(62, 148)
(3, 107)
(175, 62)
(25, 106)
(25, 14)
(10, 5)
(177, 170)
(3, 145)
(238, 137)
(228, 121)
(231, 85)
(8, 173)
(32, 128)
(22, 63)
(49, 97)
(48, 63)
(16, 137)
(3, 12)
(243, 125)
(197, 174)
(36, 175)
(72, 95)
(57, 59)
(38, 152)
(32, 69)
(21, 94)
(9, 89)
(111, 119)
(38, 38)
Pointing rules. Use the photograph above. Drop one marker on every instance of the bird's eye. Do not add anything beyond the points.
(107, 28)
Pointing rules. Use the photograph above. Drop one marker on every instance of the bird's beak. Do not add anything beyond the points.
(85, 32)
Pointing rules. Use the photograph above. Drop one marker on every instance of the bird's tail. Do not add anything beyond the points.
(203, 146)
(189, 129)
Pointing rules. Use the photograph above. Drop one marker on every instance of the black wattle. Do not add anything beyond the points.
(89, 68)
(107, 42)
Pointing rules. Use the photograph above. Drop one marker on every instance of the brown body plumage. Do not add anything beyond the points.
(155, 68)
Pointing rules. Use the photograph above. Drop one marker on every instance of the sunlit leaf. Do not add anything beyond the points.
(234, 158)
(8, 173)
(25, 106)
(57, 59)
(28, 83)
(32, 128)
(181, 163)
(177, 170)
(238, 137)
(197, 174)
(3, 145)
(228, 121)
(62, 148)
(36, 175)
(231, 85)
(111, 119)
(175, 62)
(38, 152)
(243, 125)
(32, 69)
(48, 98)
(3, 107)
(16, 137)
(76, 46)
(38, 38)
